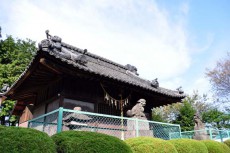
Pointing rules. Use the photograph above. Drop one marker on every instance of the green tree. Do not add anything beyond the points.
(216, 118)
(170, 112)
(157, 116)
(15, 55)
(166, 113)
(199, 102)
(185, 116)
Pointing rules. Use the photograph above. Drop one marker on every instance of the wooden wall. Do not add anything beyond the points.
(70, 92)
(26, 115)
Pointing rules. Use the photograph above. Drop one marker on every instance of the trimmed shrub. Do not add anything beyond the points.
(2, 127)
(216, 147)
(89, 142)
(227, 142)
(25, 140)
(150, 145)
(189, 146)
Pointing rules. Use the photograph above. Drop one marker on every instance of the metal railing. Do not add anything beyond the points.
(212, 134)
(121, 127)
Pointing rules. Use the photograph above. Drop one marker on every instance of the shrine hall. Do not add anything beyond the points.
(61, 75)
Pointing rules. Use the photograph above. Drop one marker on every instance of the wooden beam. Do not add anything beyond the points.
(20, 107)
(49, 65)
(24, 77)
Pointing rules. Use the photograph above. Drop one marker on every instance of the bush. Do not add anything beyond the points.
(150, 145)
(189, 145)
(227, 142)
(89, 142)
(25, 140)
(2, 127)
(216, 147)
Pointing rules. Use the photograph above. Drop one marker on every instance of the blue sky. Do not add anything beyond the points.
(174, 41)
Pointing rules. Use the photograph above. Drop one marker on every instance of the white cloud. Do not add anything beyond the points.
(185, 8)
(201, 84)
(136, 32)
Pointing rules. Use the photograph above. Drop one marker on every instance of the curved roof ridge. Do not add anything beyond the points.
(102, 59)
(109, 69)
(131, 77)
(92, 55)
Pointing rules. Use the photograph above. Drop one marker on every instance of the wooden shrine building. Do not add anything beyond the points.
(61, 75)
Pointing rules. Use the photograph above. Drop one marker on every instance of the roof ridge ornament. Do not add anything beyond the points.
(155, 83)
(131, 68)
(81, 59)
(52, 42)
(53, 45)
(180, 90)
(53, 38)
(47, 34)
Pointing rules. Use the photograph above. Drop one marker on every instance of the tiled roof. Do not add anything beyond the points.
(91, 63)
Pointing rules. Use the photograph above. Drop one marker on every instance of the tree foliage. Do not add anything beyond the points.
(15, 55)
(185, 117)
(219, 77)
(216, 118)
(169, 113)
(166, 113)
(199, 102)
(157, 116)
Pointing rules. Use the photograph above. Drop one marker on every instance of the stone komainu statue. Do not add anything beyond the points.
(199, 125)
(138, 110)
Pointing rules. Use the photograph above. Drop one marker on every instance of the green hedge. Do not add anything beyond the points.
(25, 140)
(227, 142)
(189, 146)
(88, 142)
(216, 147)
(2, 127)
(150, 145)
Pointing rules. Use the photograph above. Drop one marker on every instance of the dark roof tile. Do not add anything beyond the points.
(103, 67)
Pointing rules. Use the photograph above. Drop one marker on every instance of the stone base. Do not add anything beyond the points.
(143, 129)
(201, 136)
